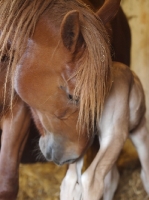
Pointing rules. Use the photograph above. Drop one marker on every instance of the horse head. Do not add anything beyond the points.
(64, 76)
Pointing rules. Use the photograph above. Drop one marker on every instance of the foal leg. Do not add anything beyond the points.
(15, 127)
(111, 183)
(140, 138)
(93, 178)
(71, 184)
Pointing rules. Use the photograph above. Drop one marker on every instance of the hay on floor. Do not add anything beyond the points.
(41, 181)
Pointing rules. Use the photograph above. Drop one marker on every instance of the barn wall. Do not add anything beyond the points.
(137, 12)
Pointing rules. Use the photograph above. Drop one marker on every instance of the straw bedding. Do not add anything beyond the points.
(41, 181)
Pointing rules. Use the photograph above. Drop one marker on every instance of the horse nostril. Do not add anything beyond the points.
(58, 162)
(48, 155)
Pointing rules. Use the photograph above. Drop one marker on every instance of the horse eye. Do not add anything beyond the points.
(70, 97)
(4, 58)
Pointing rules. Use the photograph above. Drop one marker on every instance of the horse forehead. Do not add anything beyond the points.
(46, 32)
(45, 46)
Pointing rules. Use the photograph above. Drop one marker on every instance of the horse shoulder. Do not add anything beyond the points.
(115, 115)
(125, 104)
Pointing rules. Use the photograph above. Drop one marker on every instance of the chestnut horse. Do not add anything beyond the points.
(59, 68)
(120, 36)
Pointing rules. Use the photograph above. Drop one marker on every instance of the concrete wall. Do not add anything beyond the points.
(137, 12)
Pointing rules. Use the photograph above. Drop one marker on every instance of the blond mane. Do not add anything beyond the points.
(17, 24)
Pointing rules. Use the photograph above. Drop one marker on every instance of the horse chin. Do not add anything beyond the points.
(71, 161)
(62, 161)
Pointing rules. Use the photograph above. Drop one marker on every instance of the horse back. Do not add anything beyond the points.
(128, 86)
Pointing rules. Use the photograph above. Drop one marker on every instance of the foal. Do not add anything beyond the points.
(123, 116)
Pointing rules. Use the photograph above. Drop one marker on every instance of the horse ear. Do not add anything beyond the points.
(108, 11)
(70, 29)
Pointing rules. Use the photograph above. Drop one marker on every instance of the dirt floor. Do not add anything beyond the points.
(42, 181)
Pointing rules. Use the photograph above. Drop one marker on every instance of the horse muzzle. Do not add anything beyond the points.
(57, 150)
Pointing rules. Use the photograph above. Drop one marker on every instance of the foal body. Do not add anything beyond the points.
(123, 116)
